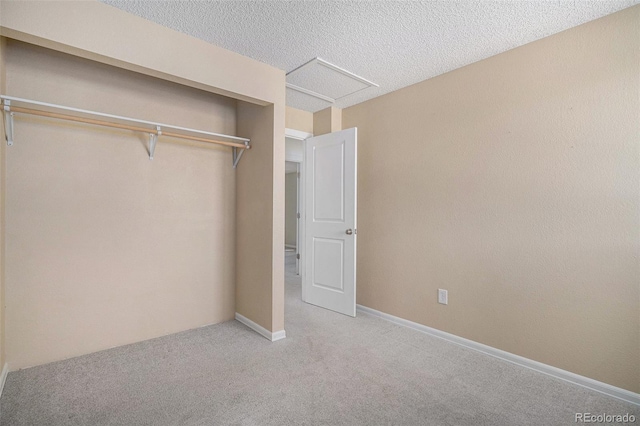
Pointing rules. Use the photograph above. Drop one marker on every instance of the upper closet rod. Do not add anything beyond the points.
(9, 109)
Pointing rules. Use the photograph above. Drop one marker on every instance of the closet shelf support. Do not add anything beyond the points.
(237, 155)
(8, 122)
(153, 139)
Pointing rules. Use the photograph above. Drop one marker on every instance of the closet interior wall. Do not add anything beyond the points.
(105, 247)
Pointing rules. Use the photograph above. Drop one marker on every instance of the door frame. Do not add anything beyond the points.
(299, 159)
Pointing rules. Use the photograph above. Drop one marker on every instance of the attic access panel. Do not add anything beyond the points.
(304, 101)
(324, 81)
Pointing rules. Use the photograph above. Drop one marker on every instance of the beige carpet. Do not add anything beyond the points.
(330, 370)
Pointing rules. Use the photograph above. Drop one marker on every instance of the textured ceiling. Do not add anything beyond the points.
(392, 43)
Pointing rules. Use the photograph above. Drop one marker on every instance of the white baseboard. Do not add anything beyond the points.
(3, 377)
(558, 373)
(276, 335)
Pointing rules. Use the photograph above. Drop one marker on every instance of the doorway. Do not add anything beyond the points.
(321, 216)
(292, 215)
(294, 199)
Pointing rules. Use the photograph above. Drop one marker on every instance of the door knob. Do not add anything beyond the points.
(349, 231)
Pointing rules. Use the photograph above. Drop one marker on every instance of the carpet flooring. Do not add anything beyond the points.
(330, 370)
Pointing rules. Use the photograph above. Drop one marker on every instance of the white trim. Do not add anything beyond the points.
(356, 77)
(310, 93)
(309, 62)
(3, 377)
(298, 215)
(301, 232)
(613, 391)
(276, 335)
(297, 134)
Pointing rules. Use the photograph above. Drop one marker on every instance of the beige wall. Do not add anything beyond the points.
(298, 119)
(260, 207)
(513, 183)
(254, 251)
(3, 169)
(291, 208)
(326, 121)
(104, 246)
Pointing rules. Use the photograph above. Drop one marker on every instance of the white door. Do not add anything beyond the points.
(329, 279)
(298, 217)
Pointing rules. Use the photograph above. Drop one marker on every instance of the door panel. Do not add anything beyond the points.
(328, 259)
(328, 191)
(329, 275)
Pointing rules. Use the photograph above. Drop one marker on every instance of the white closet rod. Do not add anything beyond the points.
(157, 130)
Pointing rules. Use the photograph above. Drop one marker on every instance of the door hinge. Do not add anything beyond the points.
(298, 256)
(298, 215)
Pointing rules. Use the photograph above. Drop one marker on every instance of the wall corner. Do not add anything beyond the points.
(298, 119)
(327, 120)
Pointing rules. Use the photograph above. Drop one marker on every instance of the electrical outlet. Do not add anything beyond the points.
(443, 296)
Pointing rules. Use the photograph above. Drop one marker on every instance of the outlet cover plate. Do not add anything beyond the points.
(443, 296)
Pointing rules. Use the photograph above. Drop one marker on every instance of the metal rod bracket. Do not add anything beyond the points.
(237, 155)
(8, 122)
(153, 139)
